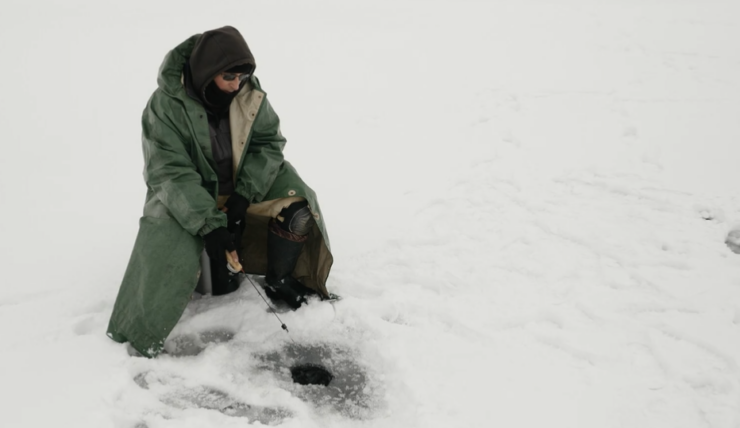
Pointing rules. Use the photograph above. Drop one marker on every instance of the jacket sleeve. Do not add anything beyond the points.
(171, 174)
(263, 156)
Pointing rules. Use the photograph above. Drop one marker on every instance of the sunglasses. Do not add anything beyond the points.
(231, 76)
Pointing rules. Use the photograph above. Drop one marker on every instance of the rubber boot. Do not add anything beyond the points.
(283, 250)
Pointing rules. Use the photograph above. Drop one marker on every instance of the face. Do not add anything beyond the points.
(232, 85)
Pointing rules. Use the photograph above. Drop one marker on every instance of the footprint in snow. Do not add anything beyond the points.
(171, 391)
(733, 241)
(189, 345)
(85, 326)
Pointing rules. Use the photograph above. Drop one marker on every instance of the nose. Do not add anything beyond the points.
(234, 84)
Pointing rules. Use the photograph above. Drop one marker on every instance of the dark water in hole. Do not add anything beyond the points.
(351, 391)
(311, 374)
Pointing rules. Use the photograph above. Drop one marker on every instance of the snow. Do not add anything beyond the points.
(528, 204)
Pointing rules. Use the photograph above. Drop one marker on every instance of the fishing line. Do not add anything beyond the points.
(282, 324)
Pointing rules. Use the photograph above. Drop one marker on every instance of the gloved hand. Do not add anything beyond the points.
(236, 211)
(218, 241)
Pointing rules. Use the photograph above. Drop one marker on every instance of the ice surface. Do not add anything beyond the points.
(532, 205)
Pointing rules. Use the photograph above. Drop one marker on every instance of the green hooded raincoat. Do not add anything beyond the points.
(181, 203)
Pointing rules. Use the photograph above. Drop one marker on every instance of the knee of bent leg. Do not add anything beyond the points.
(297, 218)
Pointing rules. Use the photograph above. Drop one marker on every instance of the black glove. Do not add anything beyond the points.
(236, 211)
(218, 241)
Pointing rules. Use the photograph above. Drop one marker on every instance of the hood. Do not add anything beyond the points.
(216, 51)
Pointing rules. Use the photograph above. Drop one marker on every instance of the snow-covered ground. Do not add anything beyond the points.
(528, 204)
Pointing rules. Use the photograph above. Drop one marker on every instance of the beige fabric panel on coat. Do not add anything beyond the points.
(265, 208)
(242, 112)
(272, 208)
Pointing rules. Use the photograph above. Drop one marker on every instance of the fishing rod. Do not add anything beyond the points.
(302, 373)
(236, 267)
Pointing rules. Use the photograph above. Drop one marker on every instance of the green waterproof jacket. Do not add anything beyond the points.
(181, 203)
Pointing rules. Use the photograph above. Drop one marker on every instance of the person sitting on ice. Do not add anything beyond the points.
(216, 179)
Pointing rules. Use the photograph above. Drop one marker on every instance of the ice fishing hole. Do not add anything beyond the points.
(311, 374)
(352, 391)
